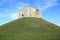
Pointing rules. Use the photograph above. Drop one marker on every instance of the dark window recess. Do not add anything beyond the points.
(22, 15)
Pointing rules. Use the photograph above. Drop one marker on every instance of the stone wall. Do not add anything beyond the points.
(29, 12)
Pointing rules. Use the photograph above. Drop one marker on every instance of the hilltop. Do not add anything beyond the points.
(29, 29)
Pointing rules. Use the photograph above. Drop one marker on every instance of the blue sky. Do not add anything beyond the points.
(50, 9)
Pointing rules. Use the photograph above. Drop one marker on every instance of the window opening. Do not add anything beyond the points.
(22, 15)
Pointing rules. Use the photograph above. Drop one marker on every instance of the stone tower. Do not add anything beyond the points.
(29, 12)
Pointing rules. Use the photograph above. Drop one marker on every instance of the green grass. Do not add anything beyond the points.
(29, 29)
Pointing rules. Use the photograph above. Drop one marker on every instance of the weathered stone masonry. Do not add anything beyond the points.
(30, 12)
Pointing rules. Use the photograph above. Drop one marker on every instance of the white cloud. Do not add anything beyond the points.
(9, 16)
(40, 4)
(21, 5)
(44, 5)
(14, 15)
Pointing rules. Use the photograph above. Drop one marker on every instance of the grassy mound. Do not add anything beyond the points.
(29, 29)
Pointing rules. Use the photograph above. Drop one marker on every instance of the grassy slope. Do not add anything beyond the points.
(29, 29)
